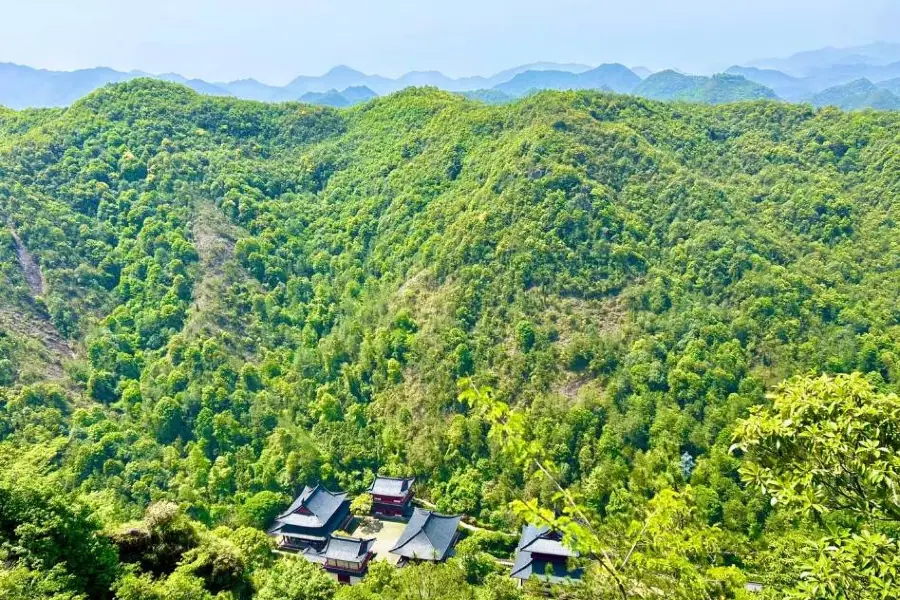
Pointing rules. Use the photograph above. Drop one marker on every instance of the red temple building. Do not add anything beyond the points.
(392, 496)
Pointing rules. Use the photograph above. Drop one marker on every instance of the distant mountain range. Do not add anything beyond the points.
(804, 64)
(348, 97)
(786, 86)
(25, 87)
(611, 77)
(851, 78)
(803, 88)
(859, 94)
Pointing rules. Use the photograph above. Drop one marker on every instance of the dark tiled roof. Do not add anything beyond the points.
(292, 532)
(313, 556)
(535, 545)
(348, 549)
(428, 536)
(540, 540)
(312, 509)
(391, 486)
(555, 571)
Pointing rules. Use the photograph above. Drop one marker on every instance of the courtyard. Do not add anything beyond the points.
(385, 532)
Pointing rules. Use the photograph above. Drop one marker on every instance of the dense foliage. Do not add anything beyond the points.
(828, 449)
(235, 299)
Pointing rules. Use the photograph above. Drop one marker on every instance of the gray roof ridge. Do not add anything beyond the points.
(412, 537)
(537, 531)
(425, 533)
(404, 484)
(350, 538)
(525, 565)
(363, 543)
(400, 546)
(305, 496)
(296, 503)
(428, 515)
(569, 553)
(421, 530)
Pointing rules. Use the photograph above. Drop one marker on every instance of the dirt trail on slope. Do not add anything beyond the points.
(39, 330)
(33, 275)
(27, 320)
(214, 238)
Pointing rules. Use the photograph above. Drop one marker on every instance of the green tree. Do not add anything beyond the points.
(261, 508)
(255, 546)
(827, 450)
(662, 551)
(21, 583)
(159, 542)
(102, 387)
(362, 505)
(296, 579)
(474, 561)
(826, 444)
(42, 530)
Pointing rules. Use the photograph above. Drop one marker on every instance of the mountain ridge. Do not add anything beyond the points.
(802, 63)
(612, 76)
(28, 87)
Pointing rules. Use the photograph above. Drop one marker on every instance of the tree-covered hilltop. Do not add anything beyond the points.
(857, 95)
(718, 89)
(209, 303)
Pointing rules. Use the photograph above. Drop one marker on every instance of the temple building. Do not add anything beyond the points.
(311, 519)
(542, 554)
(391, 496)
(346, 558)
(428, 537)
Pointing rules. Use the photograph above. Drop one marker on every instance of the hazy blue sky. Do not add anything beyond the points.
(274, 40)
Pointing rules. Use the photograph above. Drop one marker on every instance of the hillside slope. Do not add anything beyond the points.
(273, 295)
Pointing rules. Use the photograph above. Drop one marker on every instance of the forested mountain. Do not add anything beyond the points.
(609, 77)
(532, 81)
(336, 99)
(250, 89)
(718, 89)
(891, 85)
(786, 86)
(209, 303)
(857, 95)
(831, 88)
(492, 96)
(198, 85)
(802, 76)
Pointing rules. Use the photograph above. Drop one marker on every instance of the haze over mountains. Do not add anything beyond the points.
(26, 87)
(850, 78)
(803, 64)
